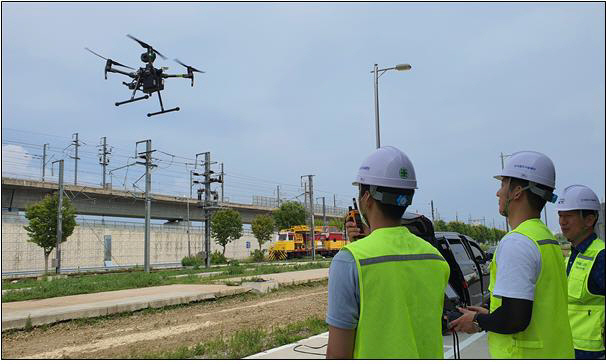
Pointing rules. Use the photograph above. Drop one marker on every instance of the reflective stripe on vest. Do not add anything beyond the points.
(402, 280)
(545, 337)
(585, 310)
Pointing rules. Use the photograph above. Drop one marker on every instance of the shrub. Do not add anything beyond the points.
(258, 255)
(217, 258)
(234, 268)
(194, 261)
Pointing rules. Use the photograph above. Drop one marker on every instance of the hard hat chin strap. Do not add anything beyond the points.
(362, 215)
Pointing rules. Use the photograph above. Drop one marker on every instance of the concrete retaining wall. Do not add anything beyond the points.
(85, 247)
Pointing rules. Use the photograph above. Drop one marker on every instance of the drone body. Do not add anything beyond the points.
(146, 79)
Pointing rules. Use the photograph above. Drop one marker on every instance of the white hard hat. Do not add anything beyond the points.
(530, 166)
(578, 197)
(387, 167)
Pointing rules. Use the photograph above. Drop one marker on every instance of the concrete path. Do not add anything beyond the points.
(286, 278)
(45, 311)
(49, 310)
(471, 347)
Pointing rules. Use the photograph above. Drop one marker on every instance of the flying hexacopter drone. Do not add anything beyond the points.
(146, 79)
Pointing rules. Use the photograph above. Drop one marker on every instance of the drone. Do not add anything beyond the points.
(146, 79)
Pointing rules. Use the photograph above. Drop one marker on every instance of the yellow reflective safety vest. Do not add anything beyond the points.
(585, 310)
(402, 279)
(548, 335)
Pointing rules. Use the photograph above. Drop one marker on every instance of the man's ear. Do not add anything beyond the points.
(516, 194)
(589, 221)
(366, 195)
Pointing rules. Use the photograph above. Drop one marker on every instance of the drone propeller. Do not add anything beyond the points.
(145, 45)
(190, 71)
(188, 67)
(110, 60)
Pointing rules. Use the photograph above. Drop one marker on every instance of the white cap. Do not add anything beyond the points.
(578, 197)
(387, 167)
(530, 166)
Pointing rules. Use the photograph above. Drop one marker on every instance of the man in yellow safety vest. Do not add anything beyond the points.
(386, 291)
(528, 288)
(578, 209)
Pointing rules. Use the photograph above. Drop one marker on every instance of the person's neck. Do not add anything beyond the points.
(577, 241)
(380, 222)
(518, 216)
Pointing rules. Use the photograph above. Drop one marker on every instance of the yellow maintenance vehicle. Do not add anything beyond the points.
(295, 242)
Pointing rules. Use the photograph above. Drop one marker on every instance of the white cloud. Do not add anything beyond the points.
(17, 161)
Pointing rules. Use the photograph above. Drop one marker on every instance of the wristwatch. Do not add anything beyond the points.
(475, 322)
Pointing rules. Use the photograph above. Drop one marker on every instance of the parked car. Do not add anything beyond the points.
(469, 274)
(472, 262)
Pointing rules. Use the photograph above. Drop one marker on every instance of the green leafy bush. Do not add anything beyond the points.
(234, 268)
(217, 258)
(258, 255)
(193, 261)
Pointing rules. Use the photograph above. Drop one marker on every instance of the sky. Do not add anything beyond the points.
(287, 91)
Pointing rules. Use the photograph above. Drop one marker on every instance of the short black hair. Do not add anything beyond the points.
(535, 201)
(591, 212)
(390, 211)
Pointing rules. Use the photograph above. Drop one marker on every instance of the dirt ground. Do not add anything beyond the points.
(166, 330)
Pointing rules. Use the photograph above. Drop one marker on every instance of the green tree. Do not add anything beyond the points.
(440, 225)
(338, 222)
(263, 228)
(42, 227)
(225, 226)
(289, 214)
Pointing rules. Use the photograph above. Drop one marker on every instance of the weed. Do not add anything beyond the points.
(246, 342)
(28, 323)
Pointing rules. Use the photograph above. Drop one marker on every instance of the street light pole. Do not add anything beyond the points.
(376, 70)
(378, 136)
(503, 156)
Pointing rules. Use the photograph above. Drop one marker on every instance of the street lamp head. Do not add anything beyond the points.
(403, 67)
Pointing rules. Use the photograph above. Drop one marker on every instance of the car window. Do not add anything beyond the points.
(476, 252)
(459, 250)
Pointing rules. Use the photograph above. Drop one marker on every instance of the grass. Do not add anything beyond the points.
(245, 342)
(91, 283)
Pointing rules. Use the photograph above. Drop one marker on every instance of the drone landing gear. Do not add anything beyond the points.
(162, 107)
(132, 100)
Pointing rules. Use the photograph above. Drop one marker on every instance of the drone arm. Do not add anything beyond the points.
(129, 74)
(188, 75)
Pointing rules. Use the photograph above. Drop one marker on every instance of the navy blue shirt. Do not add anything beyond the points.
(595, 284)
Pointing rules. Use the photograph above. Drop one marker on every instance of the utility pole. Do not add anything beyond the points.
(222, 182)
(148, 165)
(432, 214)
(76, 144)
(206, 212)
(278, 195)
(334, 200)
(311, 204)
(103, 158)
(323, 212)
(43, 160)
(59, 218)
(305, 196)
(188, 219)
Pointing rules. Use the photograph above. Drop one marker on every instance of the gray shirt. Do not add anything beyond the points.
(343, 292)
